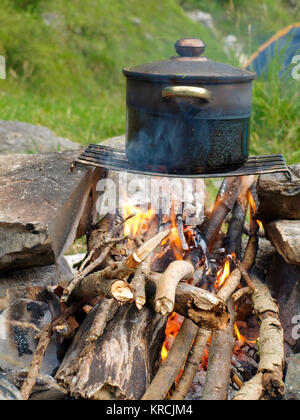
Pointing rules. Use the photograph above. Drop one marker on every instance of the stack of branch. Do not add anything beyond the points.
(132, 314)
(190, 343)
(116, 351)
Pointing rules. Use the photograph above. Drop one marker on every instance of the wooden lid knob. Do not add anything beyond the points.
(190, 47)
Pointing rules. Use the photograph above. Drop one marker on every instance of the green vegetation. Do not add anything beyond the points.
(251, 21)
(65, 60)
(276, 110)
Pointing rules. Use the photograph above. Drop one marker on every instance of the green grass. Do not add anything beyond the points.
(68, 75)
(276, 111)
(252, 21)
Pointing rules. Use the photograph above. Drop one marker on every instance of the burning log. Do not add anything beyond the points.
(192, 364)
(120, 362)
(233, 242)
(224, 203)
(219, 362)
(169, 370)
(206, 310)
(195, 355)
(267, 384)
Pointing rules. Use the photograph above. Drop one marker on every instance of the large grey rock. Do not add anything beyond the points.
(43, 207)
(8, 391)
(278, 197)
(21, 137)
(18, 343)
(29, 283)
(292, 381)
(284, 282)
(285, 236)
(264, 257)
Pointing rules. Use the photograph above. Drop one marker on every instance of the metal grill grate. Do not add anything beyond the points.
(115, 159)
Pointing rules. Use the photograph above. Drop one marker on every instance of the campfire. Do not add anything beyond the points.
(158, 303)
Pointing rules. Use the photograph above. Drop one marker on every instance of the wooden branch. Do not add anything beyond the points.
(206, 310)
(224, 203)
(44, 341)
(267, 384)
(146, 249)
(192, 364)
(195, 356)
(91, 267)
(165, 293)
(219, 361)
(176, 358)
(138, 283)
(36, 363)
(246, 231)
(234, 279)
(233, 241)
(108, 309)
(177, 355)
(245, 275)
(93, 285)
(240, 293)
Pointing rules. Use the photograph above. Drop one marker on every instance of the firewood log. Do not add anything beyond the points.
(268, 383)
(96, 283)
(224, 203)
(203, 308)
(166, 374)
(118, 364)
(166, 288)
(219, 361)
(195, 355)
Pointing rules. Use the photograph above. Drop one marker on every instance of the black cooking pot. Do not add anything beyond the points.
(188, 114)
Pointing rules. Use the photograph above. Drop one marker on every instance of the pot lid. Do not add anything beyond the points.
(189, 65)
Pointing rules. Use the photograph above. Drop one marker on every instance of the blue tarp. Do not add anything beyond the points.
(285, 45)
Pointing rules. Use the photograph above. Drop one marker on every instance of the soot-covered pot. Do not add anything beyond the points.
(188, 114)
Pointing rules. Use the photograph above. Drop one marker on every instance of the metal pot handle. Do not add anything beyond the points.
(186, 92)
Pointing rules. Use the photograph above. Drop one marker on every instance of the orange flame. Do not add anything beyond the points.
(251, 201)
(172, 328)
(137, 223)
(174, 238)
(240, 337)
(253, 207)
(223, 273)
